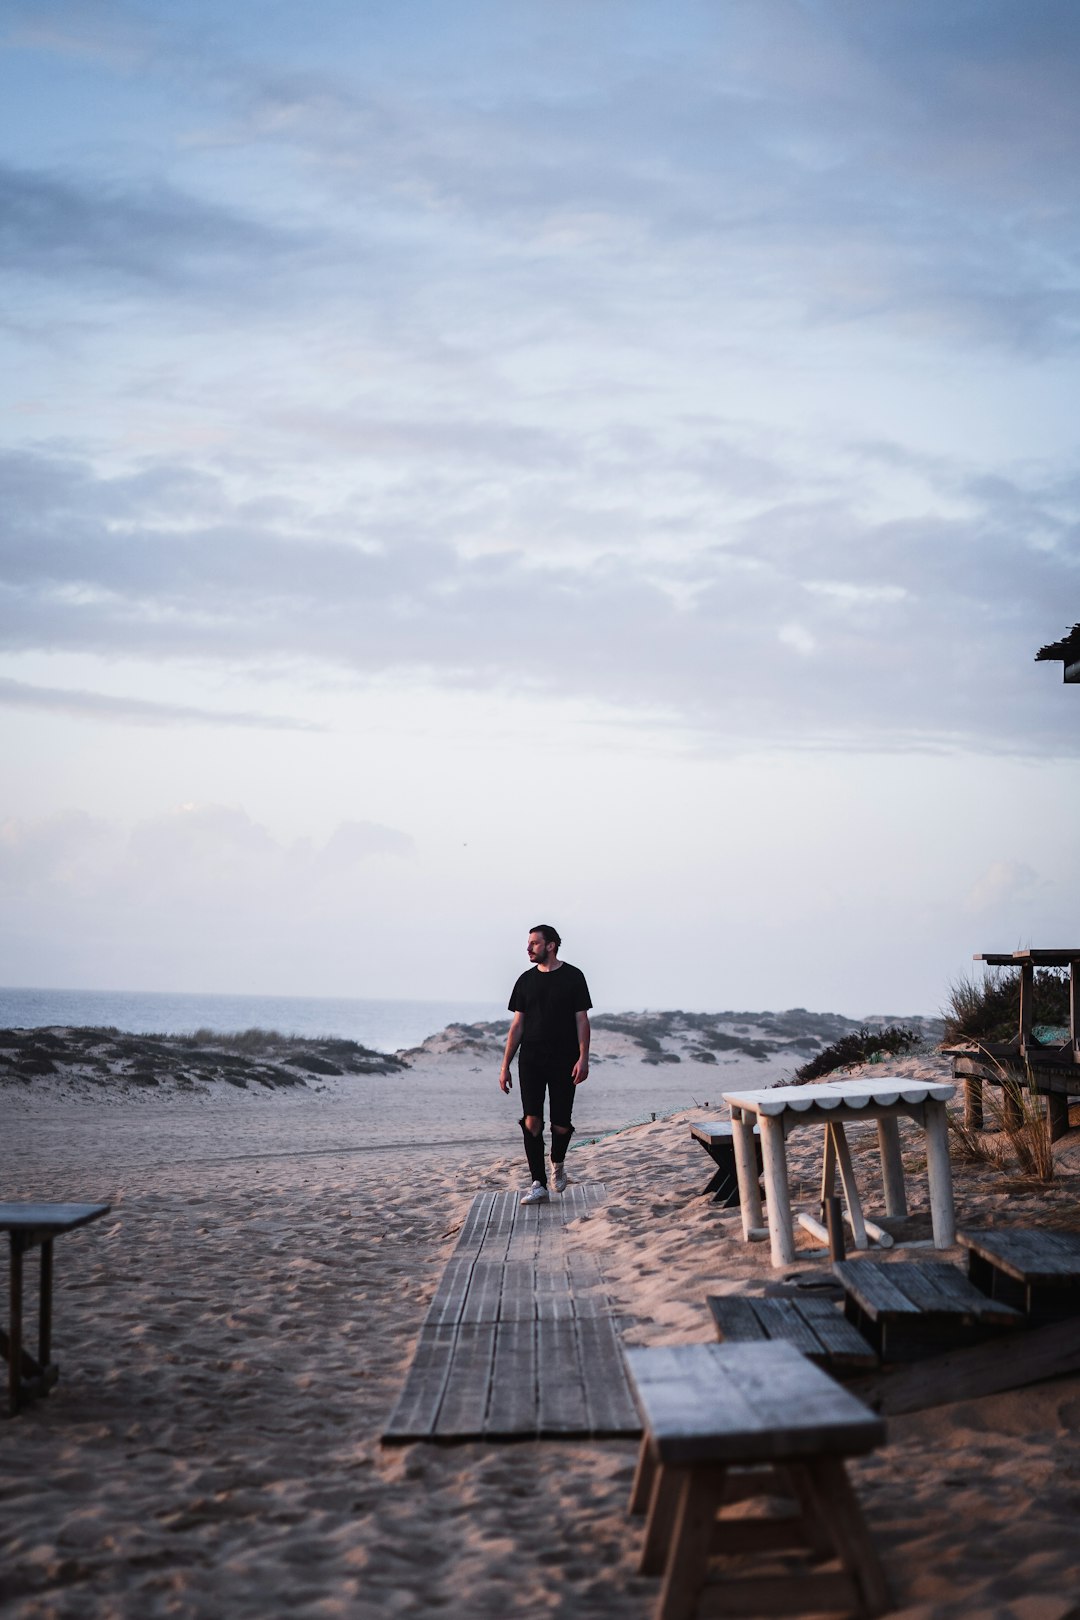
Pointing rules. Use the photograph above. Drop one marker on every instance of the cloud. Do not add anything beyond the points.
(68, 226)
(1003, 888)
(194, 854)
(136, 711)
(922, 631)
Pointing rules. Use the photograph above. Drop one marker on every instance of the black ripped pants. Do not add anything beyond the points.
(540, 1072)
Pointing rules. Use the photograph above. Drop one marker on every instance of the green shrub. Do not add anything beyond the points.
(988, 1009)
(862, 1046)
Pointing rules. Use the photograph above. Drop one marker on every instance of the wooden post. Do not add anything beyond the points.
(1027, 1003)
(828, 1171)
(45, 1304)
(834, 1228)
(1012, 1112)
(777, 1200)
(850, 1185)
(973, 1102)
(15, 1324)
(1057, 1114)
(892, 1166)
(939, 1174)
(746, 1172)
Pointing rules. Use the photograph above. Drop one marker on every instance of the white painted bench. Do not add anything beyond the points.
(726, 1422)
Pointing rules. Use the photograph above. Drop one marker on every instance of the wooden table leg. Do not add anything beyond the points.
(777, 1198)
(15, 1324)
(851, 1537)
(850, 1185)
(973, 1102)
(939, 1174)
(644, 1476)
(746, 1171)
(45, 1304)
(663, 1507)
(892, 1166)
(700, 1497)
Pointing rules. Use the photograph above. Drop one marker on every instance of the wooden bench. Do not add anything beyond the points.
(910, 1309)
(1037, 1272)
(814, 1326)
(715, 1136)
(31, 1226)
(725, 1422)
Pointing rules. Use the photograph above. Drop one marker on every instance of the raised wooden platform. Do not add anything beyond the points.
(520, 1340)
(909, 1309)
(815, 1326)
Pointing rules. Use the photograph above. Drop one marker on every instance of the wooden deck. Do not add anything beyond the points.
(520, 1341)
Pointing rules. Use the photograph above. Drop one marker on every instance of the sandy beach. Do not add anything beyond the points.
(233, 1336)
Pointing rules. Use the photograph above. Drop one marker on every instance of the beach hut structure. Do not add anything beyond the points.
(1065, 651)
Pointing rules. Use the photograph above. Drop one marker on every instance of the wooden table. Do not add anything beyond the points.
(724, 1422)
(28, 1226)
(885, 1098)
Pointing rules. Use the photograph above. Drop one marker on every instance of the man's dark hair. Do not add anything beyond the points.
(551, 935)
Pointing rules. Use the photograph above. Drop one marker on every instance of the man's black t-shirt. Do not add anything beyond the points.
(550, 1002)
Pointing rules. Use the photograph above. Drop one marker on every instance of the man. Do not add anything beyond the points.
(550, 1004)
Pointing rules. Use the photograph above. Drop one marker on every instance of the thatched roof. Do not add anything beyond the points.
(1065, 651)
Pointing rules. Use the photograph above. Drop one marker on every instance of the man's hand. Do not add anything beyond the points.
(581, 1071)
(506, 1080)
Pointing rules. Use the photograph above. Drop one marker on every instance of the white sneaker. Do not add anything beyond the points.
(537, 1194)
(560, 1176)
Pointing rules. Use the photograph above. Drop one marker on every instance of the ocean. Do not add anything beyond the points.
(384, 1026)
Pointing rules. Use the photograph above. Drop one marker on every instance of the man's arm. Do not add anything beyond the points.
(513, 1041)
(584, 1036)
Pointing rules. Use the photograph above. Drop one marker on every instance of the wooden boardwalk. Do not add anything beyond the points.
(520, 1340)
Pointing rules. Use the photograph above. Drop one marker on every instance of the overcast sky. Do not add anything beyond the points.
(468, 463)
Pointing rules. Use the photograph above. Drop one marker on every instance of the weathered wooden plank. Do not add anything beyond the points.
(518, 1298)
(844, 1343)
(735, 1317)
(512, 1405)
(783, 1319)
(866, 1282)
(1031, 1257)
(450, 1296)
(561, 1403)
(463, 1408)
(939, 1288)
(801, 1406)
(417, 1409)
(1007, 1363)
(744, 1403)
(609, 1400)
(476, 1221)
(481, 1303)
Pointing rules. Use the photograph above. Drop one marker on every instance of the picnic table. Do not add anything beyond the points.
(31, 1226)
(884, 1098)
(1054, 1066)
